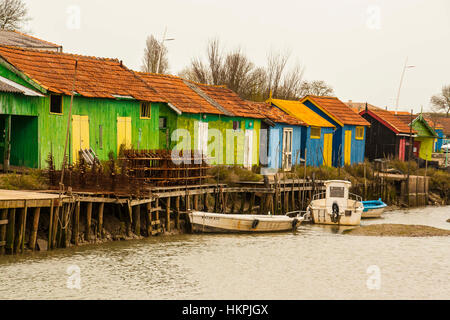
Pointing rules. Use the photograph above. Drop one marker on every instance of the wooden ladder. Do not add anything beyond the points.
(154, 226)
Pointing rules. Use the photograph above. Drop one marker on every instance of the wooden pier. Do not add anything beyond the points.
(47, 220)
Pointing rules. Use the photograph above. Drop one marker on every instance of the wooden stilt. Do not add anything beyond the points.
(168, 215)
(88, 221)
(3, 225)
(76, 225)
(55, 226)
(11, 231)
(101, 207)
(50, 225)
(241, 210)
(137, 220)
(205, 202)
(19, 231)
(177, 209)
(195, 202)
(149, 218)
(34, 228)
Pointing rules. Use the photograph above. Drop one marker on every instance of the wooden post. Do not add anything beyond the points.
(3, 225)
(177, 209)
(62, 240)
(205, 202)
(252, 202)
(100, 219)
(88, 220)
(149, 219)
(55, 226)
(76, 225)
(233, 203)
(195, 202)
(241, 210)
(50, 226)
(20, 230)
(168, 215)
(11, 231)
(7, 144)
(34, 228)
(137, 219)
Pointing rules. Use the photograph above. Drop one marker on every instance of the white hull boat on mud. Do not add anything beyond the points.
(207, 222)
(334, 206)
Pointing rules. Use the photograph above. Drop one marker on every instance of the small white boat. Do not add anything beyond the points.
(207, 222)
(334, 206)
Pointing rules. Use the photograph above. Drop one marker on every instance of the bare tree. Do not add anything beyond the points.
(276, 63)
(155, 56)
(216, 60)
(316, 88)
(441, 102)
(13, 14)
(292, 83)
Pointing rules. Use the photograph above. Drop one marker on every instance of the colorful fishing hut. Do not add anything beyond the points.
(317, 132)
(387, 136)
(349, 136)
(281, 137)
(111, 106)
(210, 119)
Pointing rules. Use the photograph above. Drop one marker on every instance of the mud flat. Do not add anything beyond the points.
(397, 230)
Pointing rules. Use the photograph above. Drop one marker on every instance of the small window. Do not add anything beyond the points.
(236, 125)
(146, 110)
(315, 133)
(162, 122)
(56, 103)
(359, 133)
(100, 136)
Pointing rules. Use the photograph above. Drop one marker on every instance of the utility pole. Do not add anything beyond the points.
(401, 81)
(161, 48)
(409, 156)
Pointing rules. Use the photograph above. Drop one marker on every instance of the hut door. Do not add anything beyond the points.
(80, 135)
(348, 147)
(416, 148)
(203, 137)
(123, 132)
(248, 149)
(327, 149)
(287, 149)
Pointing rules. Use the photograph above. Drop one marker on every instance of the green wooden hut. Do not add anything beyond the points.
(111, 106)
(219, 123)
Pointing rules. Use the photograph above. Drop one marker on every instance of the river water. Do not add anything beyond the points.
(314, 263)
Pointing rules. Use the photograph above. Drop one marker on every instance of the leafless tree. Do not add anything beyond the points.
(316, 88)
(292, 82)
(276, 63)
(13, 14)
(155, 57)
(441, 102)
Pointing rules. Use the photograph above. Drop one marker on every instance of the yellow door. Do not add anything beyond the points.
(327, 149)
(123, 132)
(348, 147)
(80, 135)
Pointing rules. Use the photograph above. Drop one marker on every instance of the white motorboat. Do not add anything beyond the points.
(207, 222)
(335, 206)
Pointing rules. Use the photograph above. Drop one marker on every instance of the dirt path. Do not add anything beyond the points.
(398, 230)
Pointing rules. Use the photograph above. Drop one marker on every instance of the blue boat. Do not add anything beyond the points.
(373, 208)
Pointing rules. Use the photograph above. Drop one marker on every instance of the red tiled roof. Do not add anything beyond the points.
(19, 39)
(339, 110)
(446, 125)
(389, 119)
(178, 93)
(96, 77)
(434, 123)
(230, 101)
(275, 114)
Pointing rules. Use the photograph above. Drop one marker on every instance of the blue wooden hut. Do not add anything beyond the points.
(316, 132)
(349, 136)
(281, 137)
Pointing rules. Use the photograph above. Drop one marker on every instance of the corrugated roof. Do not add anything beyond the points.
(274, 114)
(178, 93)
(18, 39)
(301, 112)
(389, 119)
(337, 110)
(96, 77)
(4, 87)
(230, 101)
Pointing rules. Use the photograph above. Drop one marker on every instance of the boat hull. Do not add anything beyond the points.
(372, 213)
(205, 222)
(319, 217)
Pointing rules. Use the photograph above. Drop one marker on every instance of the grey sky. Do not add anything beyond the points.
(341, 42)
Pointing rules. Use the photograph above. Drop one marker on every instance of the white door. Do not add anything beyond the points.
(287, 149)
(203, 137)
(248, 149)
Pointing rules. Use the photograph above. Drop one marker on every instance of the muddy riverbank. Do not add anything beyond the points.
(397, 230)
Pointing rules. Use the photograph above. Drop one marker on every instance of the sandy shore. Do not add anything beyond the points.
(398, 230)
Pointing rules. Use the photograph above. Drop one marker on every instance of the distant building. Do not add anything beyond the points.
(21, 40)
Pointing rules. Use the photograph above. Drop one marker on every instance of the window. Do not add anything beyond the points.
(146, 110)
(236, 125)
(162, 122)
(315, 133)
(359, 133)
(56, 103)
(100, 136)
